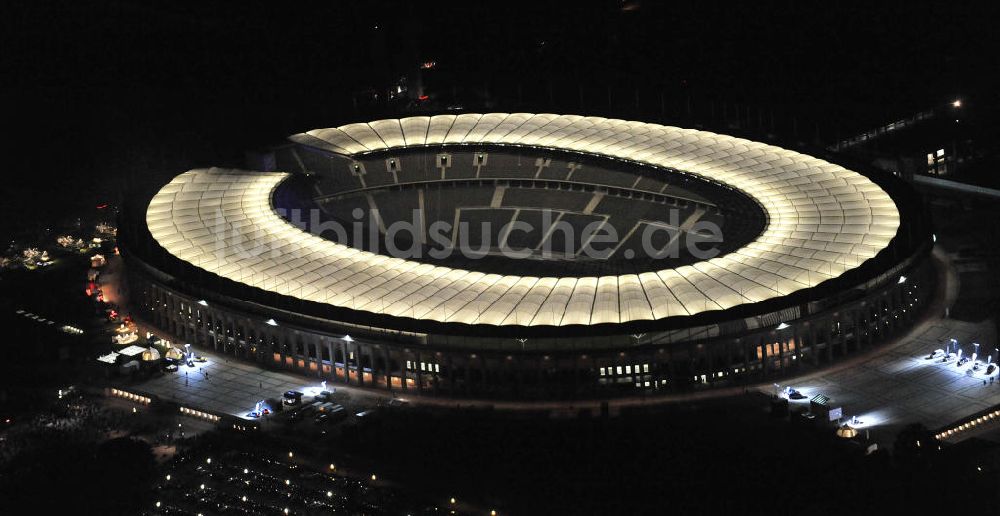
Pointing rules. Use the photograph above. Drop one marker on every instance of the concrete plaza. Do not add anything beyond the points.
(891, 388)
(888, 387)
(898, 386)
(225, 386)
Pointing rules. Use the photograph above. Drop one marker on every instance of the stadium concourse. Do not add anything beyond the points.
(811, 261)
(921, 390)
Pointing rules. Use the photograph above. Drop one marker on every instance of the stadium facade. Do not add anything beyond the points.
(810, 261)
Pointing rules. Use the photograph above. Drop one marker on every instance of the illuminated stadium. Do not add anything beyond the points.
(530, 256)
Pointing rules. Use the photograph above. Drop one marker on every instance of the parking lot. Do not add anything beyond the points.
(262, 483)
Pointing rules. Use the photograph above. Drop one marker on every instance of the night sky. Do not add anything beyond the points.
(99, 92)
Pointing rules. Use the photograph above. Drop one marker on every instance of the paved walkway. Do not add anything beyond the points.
(886, 387)
(899, 386)
(229, 386)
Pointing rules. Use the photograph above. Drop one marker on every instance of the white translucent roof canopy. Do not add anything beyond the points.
(823, 220)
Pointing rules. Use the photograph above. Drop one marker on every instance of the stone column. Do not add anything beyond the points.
(388, 368)
(813, 345)
(781, 343)
(437, 375)
(484, 382)
(417, 368)
(745, 345)
(333, 361)
(870, 329)
(829, 341)
(576, 374)
(468, 375)
(797, 339)
(856, 328)
(843, 335)
(360, 366)
(765, 362)
(451, 374)
(514, 365)
(343, 356)
(706, 351)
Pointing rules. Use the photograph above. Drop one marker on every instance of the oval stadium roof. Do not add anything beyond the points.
(823, 220)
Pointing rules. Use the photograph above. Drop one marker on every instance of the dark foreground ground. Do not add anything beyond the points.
(730, 456)
(725, 456)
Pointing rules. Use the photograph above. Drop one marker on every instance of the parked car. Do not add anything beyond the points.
(332, 414)
(292, 398)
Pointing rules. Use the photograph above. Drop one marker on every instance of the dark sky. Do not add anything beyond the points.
(92, 89)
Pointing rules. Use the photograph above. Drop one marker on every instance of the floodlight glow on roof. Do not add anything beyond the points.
(823, 220)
